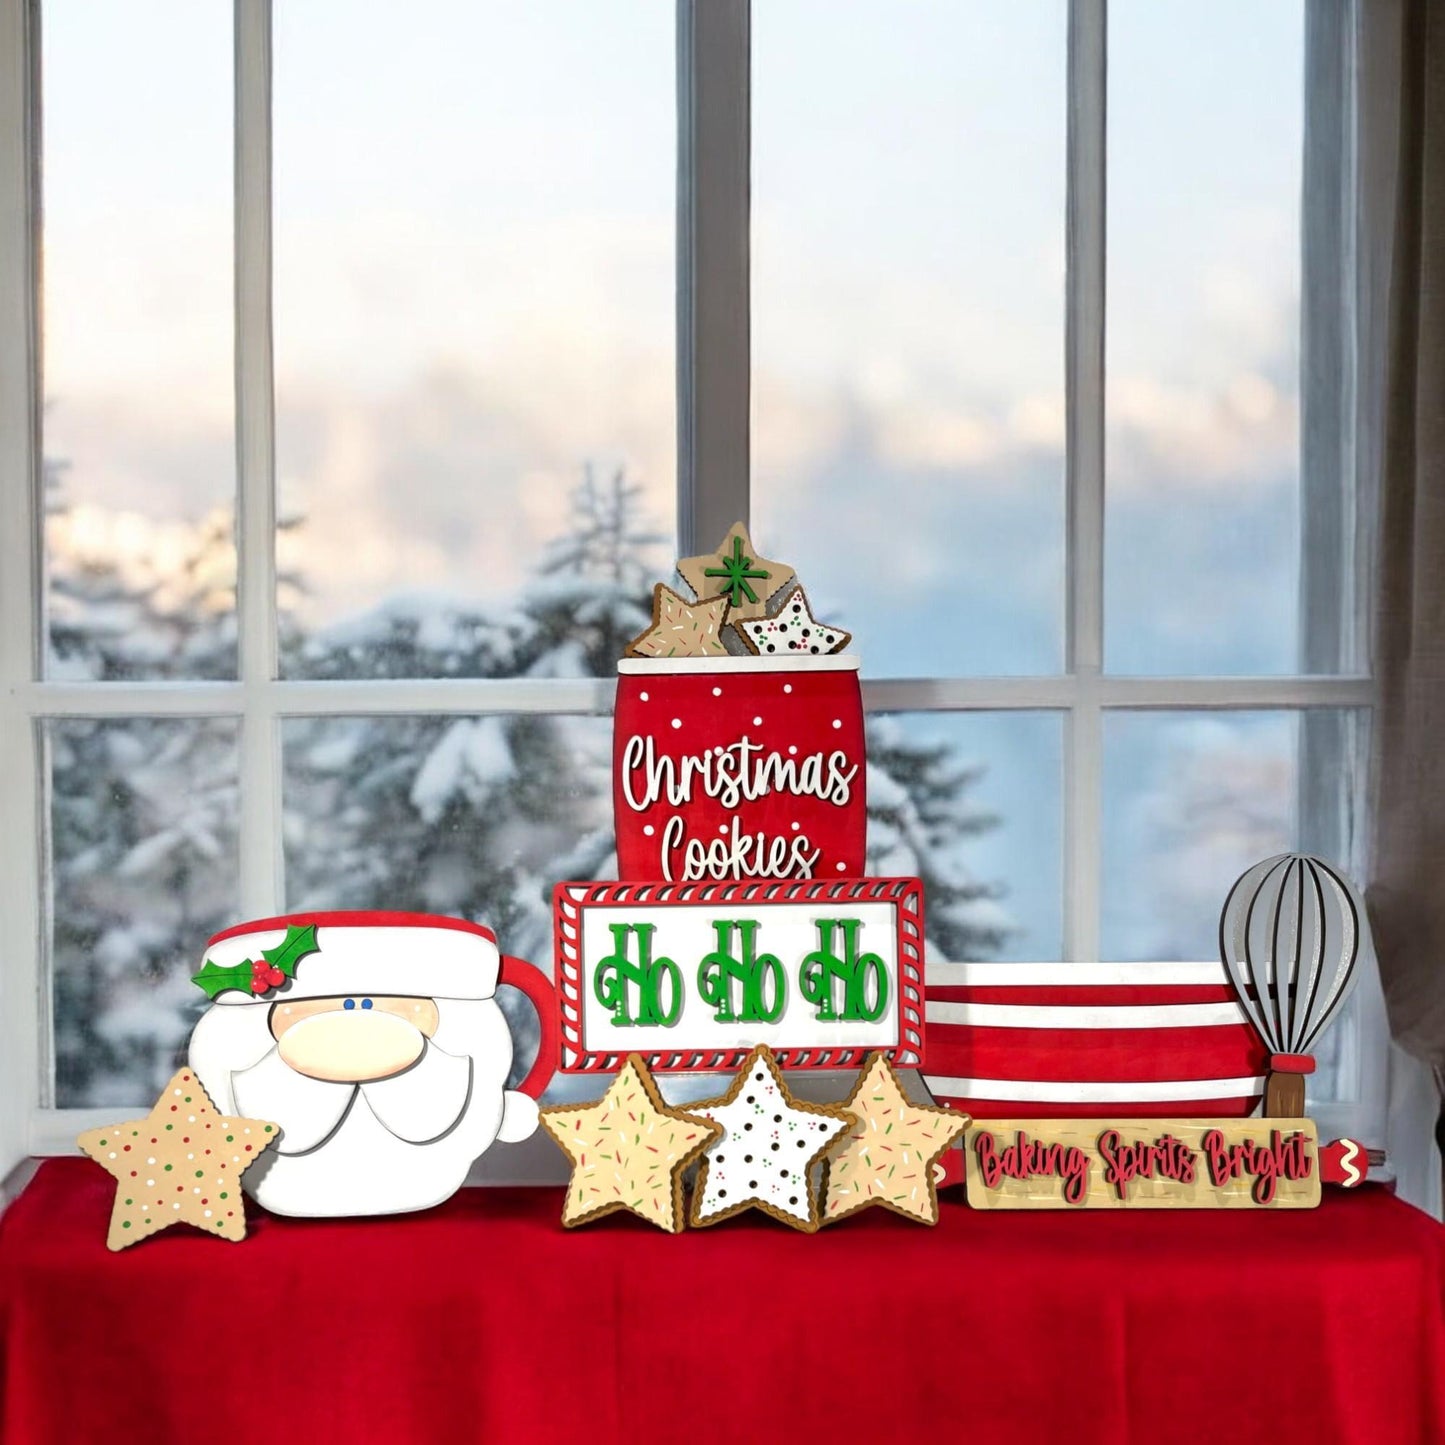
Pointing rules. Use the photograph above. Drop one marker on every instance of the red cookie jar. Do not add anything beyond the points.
(739, 767)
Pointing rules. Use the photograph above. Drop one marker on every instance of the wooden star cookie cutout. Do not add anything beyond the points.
(681, 628)
(737, 572)
(628, 1151)
(793, 630)
(181, 1164)
(769, 1146)
(888, 1157)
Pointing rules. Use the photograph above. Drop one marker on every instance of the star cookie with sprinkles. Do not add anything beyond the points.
(681, 628)
(888, 1157)
(736, 572)
(181, 1164)
(769, 1146)
(793, 630)
(628, 1151)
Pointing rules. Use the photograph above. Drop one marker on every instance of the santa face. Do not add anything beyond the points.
(384, 1100)
(353, 1040)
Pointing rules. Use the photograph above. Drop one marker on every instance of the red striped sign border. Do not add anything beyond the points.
(906, 894)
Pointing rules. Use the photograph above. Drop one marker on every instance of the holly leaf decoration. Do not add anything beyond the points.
(298, 943)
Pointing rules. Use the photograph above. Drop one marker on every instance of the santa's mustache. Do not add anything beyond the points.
(418, 1105)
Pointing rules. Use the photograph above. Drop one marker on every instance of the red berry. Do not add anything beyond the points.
(258, 985)
(277, 978)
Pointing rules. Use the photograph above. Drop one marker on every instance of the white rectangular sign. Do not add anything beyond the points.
(693, 976)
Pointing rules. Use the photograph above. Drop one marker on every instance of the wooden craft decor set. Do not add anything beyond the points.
(359, 1063)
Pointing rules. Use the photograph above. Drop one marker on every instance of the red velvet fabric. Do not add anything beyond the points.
(483, 1320)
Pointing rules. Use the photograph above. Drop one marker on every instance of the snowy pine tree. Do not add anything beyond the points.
(475, 816)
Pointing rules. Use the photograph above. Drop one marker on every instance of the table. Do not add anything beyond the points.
(483, 1320)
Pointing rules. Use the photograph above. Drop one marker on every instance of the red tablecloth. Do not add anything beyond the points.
(483, 1320)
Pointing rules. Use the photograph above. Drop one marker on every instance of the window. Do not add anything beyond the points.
(383, 370)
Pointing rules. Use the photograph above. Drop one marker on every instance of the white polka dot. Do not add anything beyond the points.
(796, 826)
(643, 696)
(145, 1208)
(190, 1156)
(722, 828)
(837, 722)
(842, 867)
(176, 1092)
(150, 1161)
(787, 687)
(791, 751)
(176, 1205)
(112, 1153)
(150, 1184)
(196, 1190)
(677, 722)
(717, 692)
(191, 1120)
(207, 1213)
(648, 830)
(757, 722)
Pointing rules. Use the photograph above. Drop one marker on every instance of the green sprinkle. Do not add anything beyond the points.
(168, 1168)
(125, 1223)
(223, 1194)
(200, 1173)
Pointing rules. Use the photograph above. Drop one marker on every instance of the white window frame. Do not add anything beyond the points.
(713, 397)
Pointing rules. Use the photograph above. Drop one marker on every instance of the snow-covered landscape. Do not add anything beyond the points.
(472, 816)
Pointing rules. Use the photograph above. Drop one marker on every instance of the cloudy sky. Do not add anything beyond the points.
(474, 281)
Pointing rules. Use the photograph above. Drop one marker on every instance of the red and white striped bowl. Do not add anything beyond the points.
(1061, 1040)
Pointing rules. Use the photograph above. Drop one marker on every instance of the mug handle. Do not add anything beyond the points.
(543, 997)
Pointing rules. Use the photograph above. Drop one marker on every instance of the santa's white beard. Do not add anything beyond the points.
(418, 1105)
(381, 1148)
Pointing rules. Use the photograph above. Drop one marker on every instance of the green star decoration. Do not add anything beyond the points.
(739, 571)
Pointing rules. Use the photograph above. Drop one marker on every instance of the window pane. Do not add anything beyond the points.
(143, 817)
(907, 324)
(1205, 127)
(1192, 799)
(138, 436)
(474, 220)
(971, 803)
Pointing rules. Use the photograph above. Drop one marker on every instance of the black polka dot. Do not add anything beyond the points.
(750, 1099)
(785, 1173)
(813, 648)
(800, 1142)
(717, 1158)
(747, 1158)
(752, 1183)
(748, 1125)
(722, 1194)
(777, 1118)
(792, 1199)
(759, 1076)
